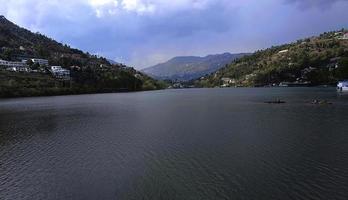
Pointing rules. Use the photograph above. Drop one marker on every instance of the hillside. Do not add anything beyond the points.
(190, 67)
(312, 61)
(89, 73)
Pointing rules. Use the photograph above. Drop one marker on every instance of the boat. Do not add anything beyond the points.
(278, 101)
(320, 102)
(342, 86)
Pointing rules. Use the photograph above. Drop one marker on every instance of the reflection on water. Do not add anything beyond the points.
(176, 144)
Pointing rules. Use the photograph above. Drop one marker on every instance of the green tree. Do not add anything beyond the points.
(342, 71)
(35, 66)
(30, 62)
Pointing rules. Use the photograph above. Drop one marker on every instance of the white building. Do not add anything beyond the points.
(283, 51)
(41, 62)
(14, 66)
(227, 82)
(342, 86)
(345, 36)
(59, 72)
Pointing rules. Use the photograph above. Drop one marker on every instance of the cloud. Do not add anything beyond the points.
(138, 6)
(32, 13)
(304, 4)
(145, 32)
(103, 8)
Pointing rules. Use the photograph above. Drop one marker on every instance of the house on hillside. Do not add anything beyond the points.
(345, 36)
(250, 76)
(226, 82)
(59, 72)
(14, 66)
(75, 68)
(41, 62)
(283, 51)
(138, 76)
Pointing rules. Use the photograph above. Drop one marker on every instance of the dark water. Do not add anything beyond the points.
(176, 144)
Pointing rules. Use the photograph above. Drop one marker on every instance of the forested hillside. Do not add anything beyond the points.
(89, 73)
(311, 61)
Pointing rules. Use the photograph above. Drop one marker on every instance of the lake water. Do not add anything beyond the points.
(176, 144)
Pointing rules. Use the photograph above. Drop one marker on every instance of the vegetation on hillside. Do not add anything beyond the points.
(89, 73)
(36, 84)
(312, 61)
(186, 68)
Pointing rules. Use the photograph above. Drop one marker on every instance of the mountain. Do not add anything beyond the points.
(311, 61)
(90, 74)
(186, 68)
(113, 62)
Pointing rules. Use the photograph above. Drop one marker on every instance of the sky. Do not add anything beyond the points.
(141, 33)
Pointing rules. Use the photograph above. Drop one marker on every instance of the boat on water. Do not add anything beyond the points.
(342, 86)
(278, 101)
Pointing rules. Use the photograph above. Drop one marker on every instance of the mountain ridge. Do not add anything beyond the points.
(185, 68)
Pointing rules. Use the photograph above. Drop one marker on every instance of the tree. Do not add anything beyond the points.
(30, 62)
(35, 66)
(342, 71)
(7, 54)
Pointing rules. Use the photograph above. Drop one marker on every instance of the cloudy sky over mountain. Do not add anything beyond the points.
(144, 32)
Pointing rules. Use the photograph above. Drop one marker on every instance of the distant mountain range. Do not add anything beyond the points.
(187, 68)
(113, 62)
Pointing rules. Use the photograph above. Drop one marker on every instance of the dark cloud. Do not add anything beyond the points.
(187, 23)
(145, 38)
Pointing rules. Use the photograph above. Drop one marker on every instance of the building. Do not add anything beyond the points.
(227, 82)
(41, 62)
(283, 51)
(59, 72)
(138, 76)
(75, 68)
(249, 76)
(343, 86)
(345, 36)
(14, 66)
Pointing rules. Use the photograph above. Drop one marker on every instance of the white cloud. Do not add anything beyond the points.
(138, 6)
(103, 2)
(103, 7)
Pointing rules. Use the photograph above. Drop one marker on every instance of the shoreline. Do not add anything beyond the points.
(120, 91)
(137, 91)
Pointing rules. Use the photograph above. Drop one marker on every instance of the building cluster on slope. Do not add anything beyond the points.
(14, 66)
(341, 35)
(22, 66)
(345, 36)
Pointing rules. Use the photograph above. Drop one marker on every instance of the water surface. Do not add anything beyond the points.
(176, 144)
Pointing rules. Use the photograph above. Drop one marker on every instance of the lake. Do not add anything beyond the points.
(176, 144)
